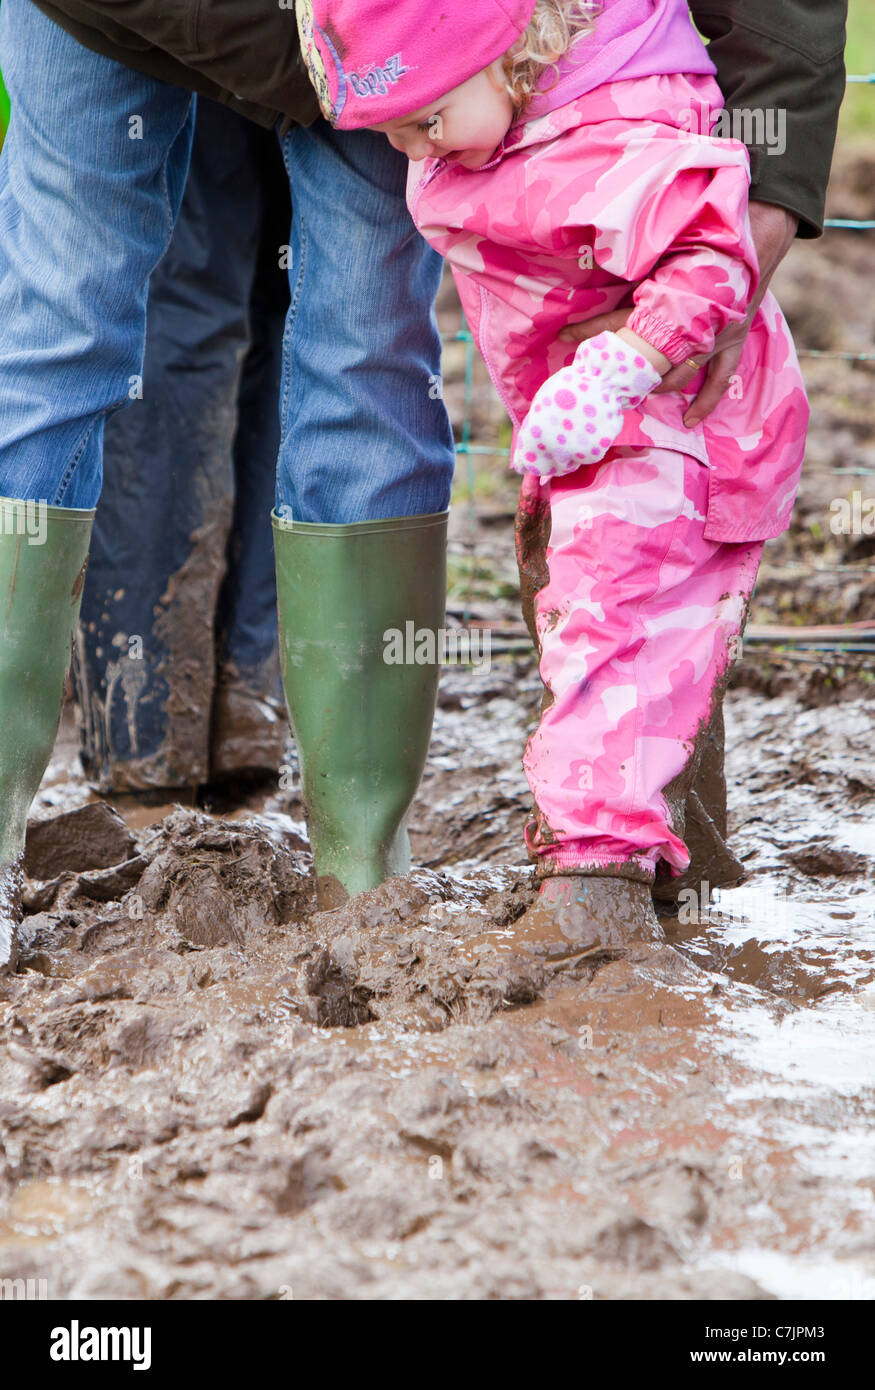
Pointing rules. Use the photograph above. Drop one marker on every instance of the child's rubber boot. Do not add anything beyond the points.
(578, 916)
(360, 608)
(43, 555)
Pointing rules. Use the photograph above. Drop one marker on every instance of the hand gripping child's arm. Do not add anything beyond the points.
(684, 237)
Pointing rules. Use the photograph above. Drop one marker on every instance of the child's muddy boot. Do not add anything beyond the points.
(360, 611)
(581, 916)
(43, 554)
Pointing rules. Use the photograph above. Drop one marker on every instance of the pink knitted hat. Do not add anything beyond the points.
(374, 60)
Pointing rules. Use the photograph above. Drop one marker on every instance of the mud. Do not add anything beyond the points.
(183, 673)
(90, 837)
(210, 1089)
(584, 916)
(248, 732)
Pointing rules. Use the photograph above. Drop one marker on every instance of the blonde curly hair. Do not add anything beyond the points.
(554, 27)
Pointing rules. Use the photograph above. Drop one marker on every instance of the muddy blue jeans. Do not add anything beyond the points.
(178, 610)
(91, 180)
(341, 395)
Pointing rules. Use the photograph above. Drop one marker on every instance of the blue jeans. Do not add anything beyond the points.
(91, 180)
(189, 478)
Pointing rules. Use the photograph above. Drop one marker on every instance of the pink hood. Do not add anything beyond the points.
(632, 38)
(374, 60)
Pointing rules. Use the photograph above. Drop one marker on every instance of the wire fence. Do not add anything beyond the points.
(464, 444)
(467, 447)
(860, 638)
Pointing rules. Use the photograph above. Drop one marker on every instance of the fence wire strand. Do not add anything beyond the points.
(470, 449)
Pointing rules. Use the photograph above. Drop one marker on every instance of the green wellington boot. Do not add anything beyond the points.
(348, 598)
(43, 555)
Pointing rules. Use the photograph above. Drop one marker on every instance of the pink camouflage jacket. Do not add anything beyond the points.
(615, 199)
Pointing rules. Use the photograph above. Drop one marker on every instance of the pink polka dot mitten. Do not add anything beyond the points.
(577, 413)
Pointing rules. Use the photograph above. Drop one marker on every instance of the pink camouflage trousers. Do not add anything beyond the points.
(637, 617)
(637, 571)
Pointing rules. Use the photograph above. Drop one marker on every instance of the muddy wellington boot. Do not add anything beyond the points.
(356, 606)
(43, 555)
(578, 916)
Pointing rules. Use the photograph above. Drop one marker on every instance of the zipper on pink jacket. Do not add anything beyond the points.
(440, 165)
(423, 185)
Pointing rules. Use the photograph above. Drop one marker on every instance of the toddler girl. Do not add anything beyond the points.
(559, 167)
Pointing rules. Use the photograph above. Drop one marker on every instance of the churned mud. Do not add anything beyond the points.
(209, 1089)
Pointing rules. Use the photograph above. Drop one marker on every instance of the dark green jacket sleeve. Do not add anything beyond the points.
(243, 53)
(783, 56)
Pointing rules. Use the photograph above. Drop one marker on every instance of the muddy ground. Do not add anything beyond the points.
(210, 1089)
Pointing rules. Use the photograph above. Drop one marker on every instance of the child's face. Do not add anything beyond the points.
(465, 126)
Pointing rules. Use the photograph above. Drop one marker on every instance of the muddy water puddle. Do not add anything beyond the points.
(764, 934)
(209, 1089)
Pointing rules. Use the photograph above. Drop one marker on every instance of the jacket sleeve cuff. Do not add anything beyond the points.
(666, 337)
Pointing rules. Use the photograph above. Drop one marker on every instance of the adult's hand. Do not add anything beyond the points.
(773, 231)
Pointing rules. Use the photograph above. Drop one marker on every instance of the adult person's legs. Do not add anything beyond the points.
(363, 484)
(188, 483)
(249, 724)
(369, 440)
(91, 177)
